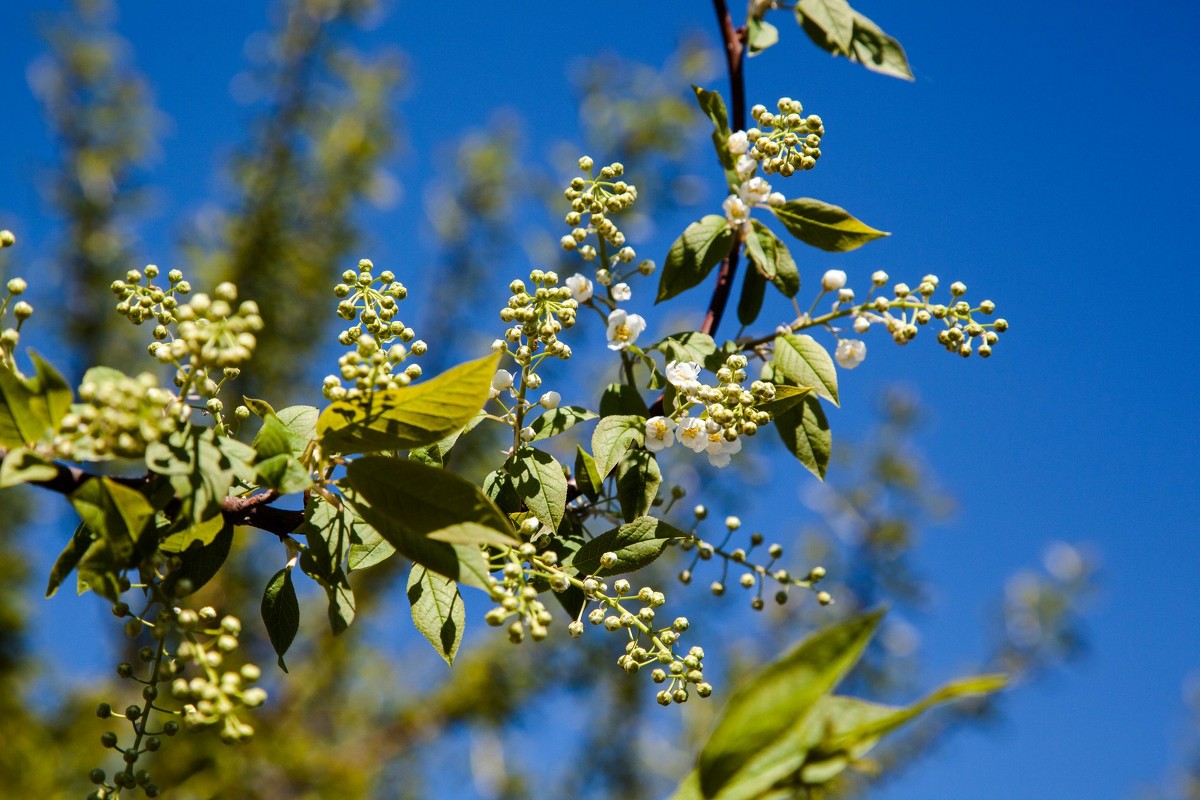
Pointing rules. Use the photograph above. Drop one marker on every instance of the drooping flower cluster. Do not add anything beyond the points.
(380, 341)
(728, 411)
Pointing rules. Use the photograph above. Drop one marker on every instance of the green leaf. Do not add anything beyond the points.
(587, 477)
(762, 35)
(713, 106)
(772, 258)
(284, 474)
(412, 416)
(637, 544)
(260, 408)
(621, 398)
(638, 479)
(559, 420)
(612, 437)
(51, 393)
(202, 533)
(273, 439)
(367, 546)
(281, 613)
(833, 18)
(693, 346)
(22, 465)
(19, 424)
(115, 513)
(700, 247)
(805, 432)
(200, 471)
(877, 51)
(200, 563)
(406, 501)
(824, 226)
(69, 558)
(540, 482)
(437, 610)
(785, 397)
(754, 742)
(754, 287)
(301, 425)
(800, 359)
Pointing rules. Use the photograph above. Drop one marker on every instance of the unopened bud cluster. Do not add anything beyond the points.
(118, 418)
(755, 576)
(908, 309)
(782, 143)
(216, 696)
(728, 411)
(596, 198)
(518, 606)
(380, 342)
(21, 311)
(537, 317)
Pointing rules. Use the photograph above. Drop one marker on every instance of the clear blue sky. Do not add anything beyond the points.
(1045, 156)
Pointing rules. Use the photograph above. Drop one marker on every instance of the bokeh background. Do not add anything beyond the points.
(1036, 511)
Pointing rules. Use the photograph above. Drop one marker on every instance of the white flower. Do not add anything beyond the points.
(833, 280)
(581, 288)
(660, 433)
(755, 190)
(527, 434)
(745, 166)
(621, 292)
(861, 324)
(498, 346)
(719, 450)
(550, 400)
(776, 199)
(502, 380)
(850, 353)
(623, 329)
(879, 277)
(603, 277)
(692, 434)
(738, 143)
(678, 374)
(735, 210)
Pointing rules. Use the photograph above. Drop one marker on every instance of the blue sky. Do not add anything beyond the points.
(1045, 156)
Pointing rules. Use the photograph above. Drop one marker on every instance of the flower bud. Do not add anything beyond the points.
(550, 400)
(833, 280)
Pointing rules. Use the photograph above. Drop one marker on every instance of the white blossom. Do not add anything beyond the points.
(623, 329)
(581, 288)
(692, 434)
(833, 280)
(735, 210)
(502, 380)
(621, 292)
(861, 324)
(755, 190)
(738, 143)
(680, 373)
(745, 166)
(660, 433)
(776, 199)
(845, 295)
(550, 400)
(850, 353)
(719, 450)
(879, 277)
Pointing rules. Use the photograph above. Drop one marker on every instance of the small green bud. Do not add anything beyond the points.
(17, 286)
(7, 239)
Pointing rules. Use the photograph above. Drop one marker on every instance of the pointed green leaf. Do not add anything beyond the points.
(772, 258)
(823, 225)
(805, 432)
(199, 470)
(19, 424)
(115, 513)
(52, 393)
(69, 558)
(621, 398)
(754, 742)
(612, 437)
(22, 465)
(700, 247)
(412, 416)
(713, 106)
(559, 420)
(693, 346)
(540, 482)
(200, 563)
(837, 28)
(437, 610)
(804, 362)
(754, 288)
(877, 51)
(587, 477)
(762, 35)
(637, 544)
(281, 613)
(785, 397)
(638, 480)
(833, 18)
(201, 533)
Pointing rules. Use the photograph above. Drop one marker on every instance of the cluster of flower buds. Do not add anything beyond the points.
(649, 645)
(782, 143)
(539, 317)
(379, 342)
(518, 597)
(729, 411)
(215, 697)
(908, 309)
(755, 576)
(21, 311)
(596, 197)
(118, 417)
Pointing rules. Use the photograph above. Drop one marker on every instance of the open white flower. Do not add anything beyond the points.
(738, 143)
(660, 433)
(850, 353)
(623, 329)
(736, 211)
(755, 190)
(692, 434)
(719, 450)
(680, 373)
(745, 166)
(833, 280)
(621, 292)
(581, 288)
